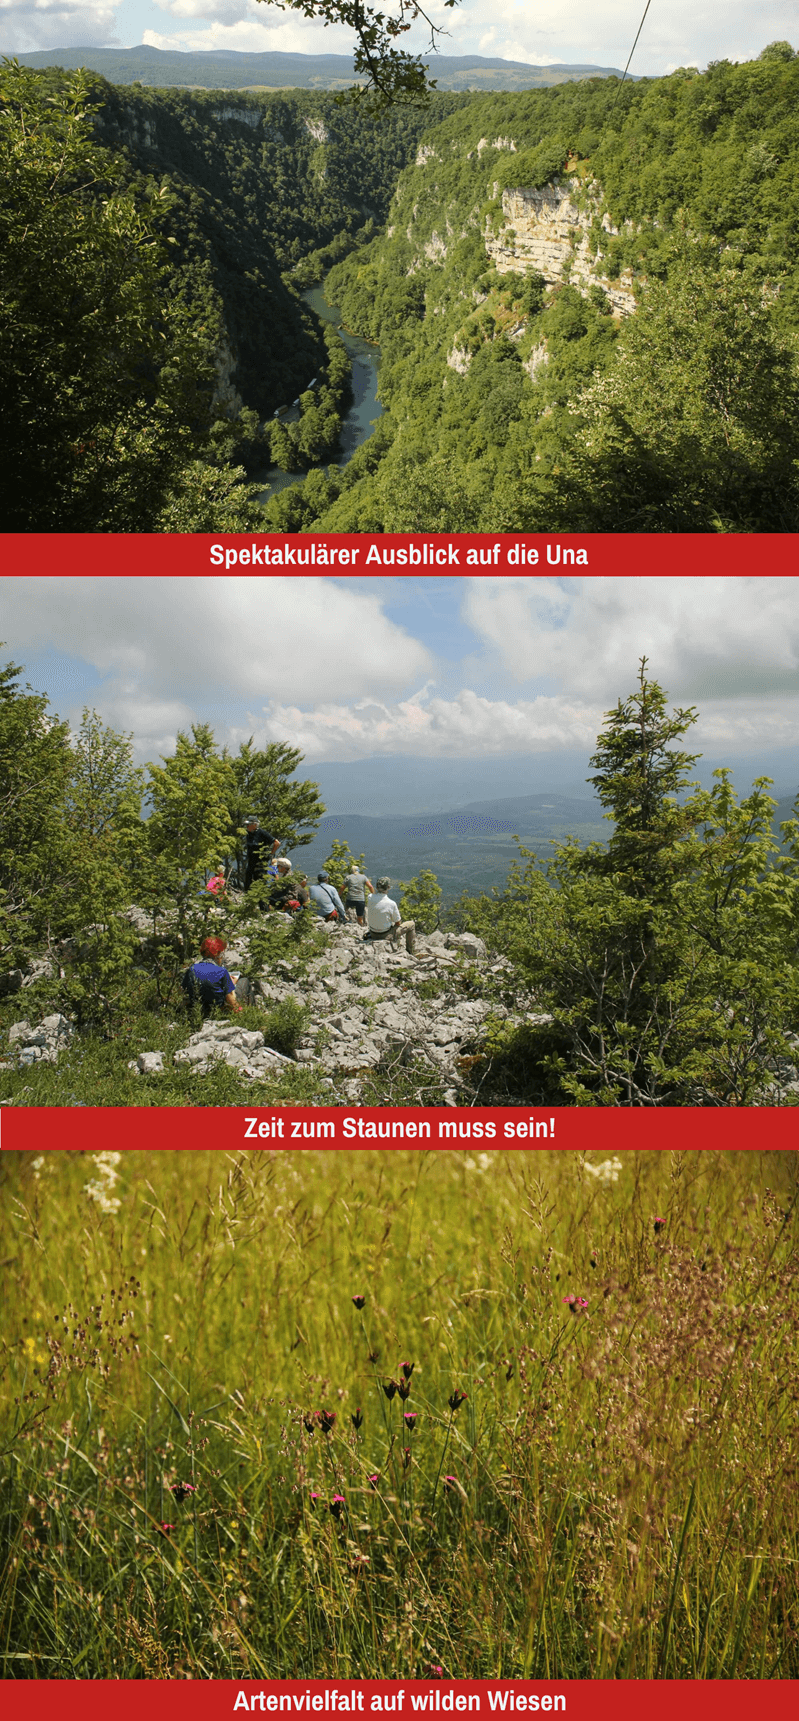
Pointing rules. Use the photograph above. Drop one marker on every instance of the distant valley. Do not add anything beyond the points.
(471, 847)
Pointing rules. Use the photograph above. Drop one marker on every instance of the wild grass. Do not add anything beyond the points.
(614, 1497)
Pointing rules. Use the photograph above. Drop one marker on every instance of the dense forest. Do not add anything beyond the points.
(585, 298)
(658, 967)
(156, 247)
(521, 403)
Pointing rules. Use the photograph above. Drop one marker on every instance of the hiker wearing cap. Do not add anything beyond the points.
(259, 848)
(325, 899)
(356, 887)
(385, 920)
(209, 981)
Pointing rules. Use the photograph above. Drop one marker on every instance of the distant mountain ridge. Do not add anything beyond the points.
(230, 69)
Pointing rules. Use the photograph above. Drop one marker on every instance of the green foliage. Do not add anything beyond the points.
(262, 781)
(148, 244)
(685, 419)
(106, 373)
(206, 498)
(420, 900)
(392, 75)
(340, 862)
(284, 1025)
(694, 426)
(103, 851)
(669, 959)
(188, 827)
(35, 768)
(247, 209)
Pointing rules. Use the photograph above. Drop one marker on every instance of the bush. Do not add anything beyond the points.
(284, 1026)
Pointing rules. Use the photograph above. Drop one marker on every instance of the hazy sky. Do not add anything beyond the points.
(427, 668)
(599, 32)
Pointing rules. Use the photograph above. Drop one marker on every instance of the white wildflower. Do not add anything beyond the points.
(607, 1172)
(100, 1189)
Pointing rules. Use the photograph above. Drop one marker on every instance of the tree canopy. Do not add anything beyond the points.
(104, 372)
(393, 75)
(665, 963)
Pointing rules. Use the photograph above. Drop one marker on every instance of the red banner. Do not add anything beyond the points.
(288, 1128)
(350, 554)
(577, 1699)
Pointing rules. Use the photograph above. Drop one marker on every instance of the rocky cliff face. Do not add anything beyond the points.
(544, 231)
(226, 397)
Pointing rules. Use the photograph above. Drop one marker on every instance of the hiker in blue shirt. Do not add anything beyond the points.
(325, 899)
(208, 981)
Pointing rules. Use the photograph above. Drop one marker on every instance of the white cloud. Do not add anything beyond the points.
(468, 726)
(705, 638)
(223, 11)
(600, 32)
(320, 665)
(306, 639)
(25, 28)
(245, 27)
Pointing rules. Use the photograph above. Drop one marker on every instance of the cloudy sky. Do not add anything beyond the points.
(598, 32)
(487, 669)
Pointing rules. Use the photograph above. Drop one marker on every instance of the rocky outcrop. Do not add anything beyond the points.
(41, 1044)
(498, 143)
(366, 1004)
(241, 116)
(535, 359)
(459, 359)
(226, 396)
(544, 232)
(242, 1049)
(435, 249)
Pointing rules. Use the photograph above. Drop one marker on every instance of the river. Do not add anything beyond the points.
(357, 425)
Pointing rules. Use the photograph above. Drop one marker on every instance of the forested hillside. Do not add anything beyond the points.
(587, 301)
(235, 202)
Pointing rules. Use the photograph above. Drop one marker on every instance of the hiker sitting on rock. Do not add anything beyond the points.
(325, 899)
(208, 981)
(217, 883)
(385, 920)
(356, 888)
(283, 893)
(259, 847)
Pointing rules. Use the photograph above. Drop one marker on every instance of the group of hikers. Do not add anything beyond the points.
(209, 982)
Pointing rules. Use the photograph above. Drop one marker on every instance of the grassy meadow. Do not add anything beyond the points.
(216, 1465)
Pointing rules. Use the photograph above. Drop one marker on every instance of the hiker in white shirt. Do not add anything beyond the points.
(385, 920)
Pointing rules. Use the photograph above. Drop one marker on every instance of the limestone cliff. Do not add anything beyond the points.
(547, 232)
